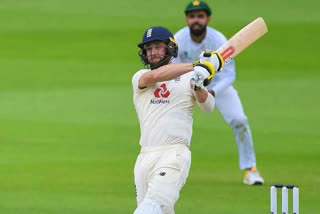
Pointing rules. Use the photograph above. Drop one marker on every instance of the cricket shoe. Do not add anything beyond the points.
(252, 177)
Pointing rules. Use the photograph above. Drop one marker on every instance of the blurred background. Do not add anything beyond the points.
(68, 129)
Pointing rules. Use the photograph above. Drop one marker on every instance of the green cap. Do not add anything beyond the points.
(198, 5)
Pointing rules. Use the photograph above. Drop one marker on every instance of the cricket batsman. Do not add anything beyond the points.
(194, 39)
(164, 95)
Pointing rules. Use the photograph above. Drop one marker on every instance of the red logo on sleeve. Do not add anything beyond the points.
(162, 91)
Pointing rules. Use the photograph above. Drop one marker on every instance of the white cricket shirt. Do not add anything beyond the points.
(164, 111)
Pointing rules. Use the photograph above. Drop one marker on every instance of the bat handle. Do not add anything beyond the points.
(227, 61)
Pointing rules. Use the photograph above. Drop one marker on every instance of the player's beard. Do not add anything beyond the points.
(164, 60)
(197, 31)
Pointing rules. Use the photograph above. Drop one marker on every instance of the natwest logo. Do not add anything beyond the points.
(162, 91)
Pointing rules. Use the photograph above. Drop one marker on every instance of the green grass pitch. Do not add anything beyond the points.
(68, 129)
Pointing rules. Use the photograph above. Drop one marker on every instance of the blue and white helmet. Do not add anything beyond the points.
(158, 34)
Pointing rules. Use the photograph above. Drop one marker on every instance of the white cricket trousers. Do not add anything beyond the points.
(159, 174)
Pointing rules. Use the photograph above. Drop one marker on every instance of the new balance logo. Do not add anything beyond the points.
(162, 173)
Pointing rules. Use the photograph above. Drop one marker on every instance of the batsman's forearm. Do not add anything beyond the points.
(172, 71)
(201, 95)
(205, 100)
(164, 73)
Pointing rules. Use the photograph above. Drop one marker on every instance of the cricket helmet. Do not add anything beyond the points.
(158, 34)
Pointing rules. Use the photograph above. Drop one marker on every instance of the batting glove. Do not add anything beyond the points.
(196, 83)
(205, 71)
(212, 57)
(203, 75)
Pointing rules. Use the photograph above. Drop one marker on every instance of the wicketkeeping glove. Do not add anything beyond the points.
(212, 57)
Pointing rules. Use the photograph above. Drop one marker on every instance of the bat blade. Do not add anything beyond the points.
(244, 38)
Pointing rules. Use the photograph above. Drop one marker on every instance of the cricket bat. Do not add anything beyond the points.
(240, 41)
(244, 38)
